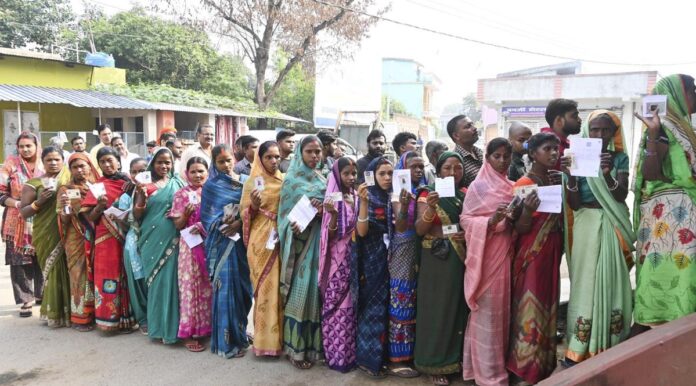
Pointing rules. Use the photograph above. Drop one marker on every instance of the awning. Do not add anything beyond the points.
(101, 100)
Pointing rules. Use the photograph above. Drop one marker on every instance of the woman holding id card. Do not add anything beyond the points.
(441, 310)
(159, 246)
(338, 313)
(72, 233)
(260, 200)
(39, 201)
(371, 267)
(195, 291)
(486, 221)
(226, 256)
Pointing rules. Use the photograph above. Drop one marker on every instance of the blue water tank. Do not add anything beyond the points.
(100, 59)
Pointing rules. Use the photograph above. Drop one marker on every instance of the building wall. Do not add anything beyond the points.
(52, 118)
(46, 73)
(403, 80)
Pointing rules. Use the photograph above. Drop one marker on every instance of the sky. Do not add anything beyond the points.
(637, 32)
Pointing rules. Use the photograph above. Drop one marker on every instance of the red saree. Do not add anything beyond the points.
(112, 303)
(535, 294)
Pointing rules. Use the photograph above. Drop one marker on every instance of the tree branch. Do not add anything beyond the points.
(300, 53)
(231, 19)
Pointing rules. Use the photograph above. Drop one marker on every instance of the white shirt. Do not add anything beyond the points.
(126, 161)
(194, 150)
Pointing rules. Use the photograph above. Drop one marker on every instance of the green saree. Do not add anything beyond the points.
(55, 307)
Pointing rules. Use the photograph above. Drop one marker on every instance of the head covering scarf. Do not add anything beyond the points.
(14, 174)
(616, 212)
(485, 194)
(271, 191)
(344, 225)
(451, 205)
(402, 165)
(681, 156)
(300, 180)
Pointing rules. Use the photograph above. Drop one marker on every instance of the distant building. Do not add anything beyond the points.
(407, 81)
(523, 95)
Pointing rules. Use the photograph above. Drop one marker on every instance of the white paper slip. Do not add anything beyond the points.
(73, 194)
(48, 183)
(385, 238)
(654, 102)
(230, 211)
(118, 213)
(95, 132)
(193, 198)
(303, 213)
(258, 183)
(144, 177)
(395, 197)
(551, 199)
(336, 196)
(586, 153)
(191, 239)
(450, 229)
(445, 187)
(272, 239)
(401, 180)
(97, 189)
(370, 178)
(235, 237)
(526, 190)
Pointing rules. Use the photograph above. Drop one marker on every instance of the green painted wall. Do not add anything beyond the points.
(46, 73)
(52, 118)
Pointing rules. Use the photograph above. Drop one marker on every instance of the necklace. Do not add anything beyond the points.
(539, 179)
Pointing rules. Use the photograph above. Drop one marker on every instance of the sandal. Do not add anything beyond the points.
(83, 327)
(402, 371)
(240, 354)
(194, 346)
(25, 311)
(440, 380)
(143, 329)
(381, 374)
(302, 365)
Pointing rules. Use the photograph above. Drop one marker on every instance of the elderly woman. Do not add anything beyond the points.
(600, 306)
(20, 255)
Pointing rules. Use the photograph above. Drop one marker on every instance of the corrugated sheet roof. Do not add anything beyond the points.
(101, 100)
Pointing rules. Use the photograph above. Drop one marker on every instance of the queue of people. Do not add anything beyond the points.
(393, 283)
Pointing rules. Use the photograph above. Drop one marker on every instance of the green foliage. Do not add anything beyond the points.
(395, 107)
(295, 96)
(23, 22)
(160, 51)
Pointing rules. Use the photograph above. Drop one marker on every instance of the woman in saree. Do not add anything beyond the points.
(195, 290)
(338, 314)
(665, 209)
(259, 217)
(371, 267)
(600, 305)
(442, 312)
(403, 268)
(111, 298)
(226, 256)
(73, 232)
(299, 256)
(39, 202)
(132, 263)
(25, 273)
(159, 246)
(485, 220)
(535, 272)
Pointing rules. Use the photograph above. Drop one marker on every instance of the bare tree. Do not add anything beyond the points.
(303, 29)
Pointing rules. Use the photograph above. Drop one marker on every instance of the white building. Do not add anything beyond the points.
(523, 96)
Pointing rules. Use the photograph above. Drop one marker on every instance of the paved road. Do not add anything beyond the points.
(31, 353)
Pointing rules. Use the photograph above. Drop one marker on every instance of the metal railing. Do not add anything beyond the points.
(135, 142)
